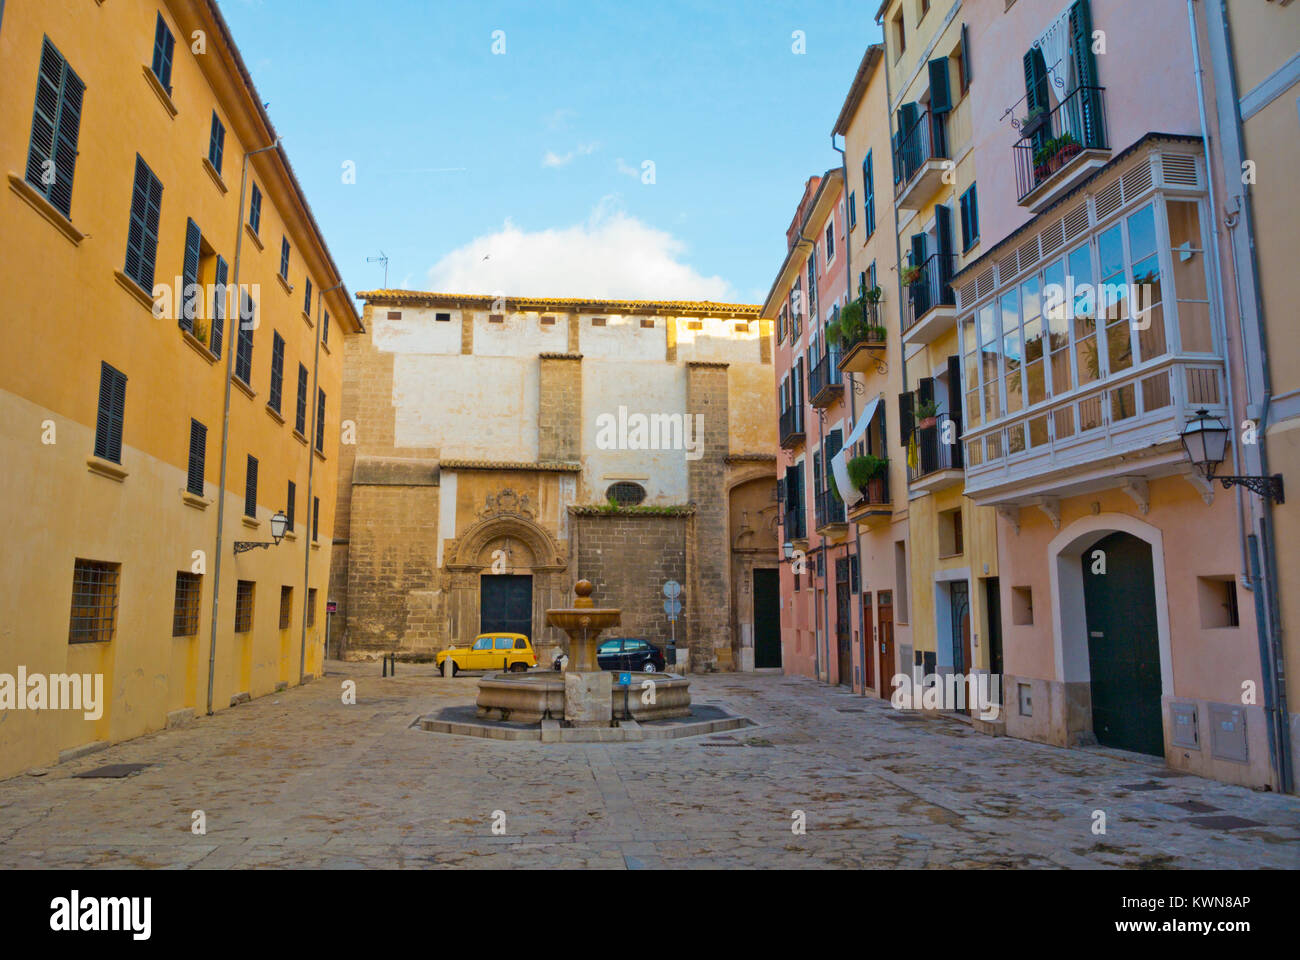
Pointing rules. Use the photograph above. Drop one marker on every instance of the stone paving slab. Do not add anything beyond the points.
(301, 780)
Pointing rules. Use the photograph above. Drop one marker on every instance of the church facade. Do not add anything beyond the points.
(496, 450)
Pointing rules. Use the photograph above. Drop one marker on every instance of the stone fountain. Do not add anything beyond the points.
(582, 695)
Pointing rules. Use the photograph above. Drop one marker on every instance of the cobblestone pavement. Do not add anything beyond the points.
(299, 779)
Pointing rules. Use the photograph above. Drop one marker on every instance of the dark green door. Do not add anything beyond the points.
(506, 604)
(1123, 644)
(767, 618)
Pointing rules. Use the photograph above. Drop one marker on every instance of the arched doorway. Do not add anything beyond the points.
(1111, 631)
(1123, 644)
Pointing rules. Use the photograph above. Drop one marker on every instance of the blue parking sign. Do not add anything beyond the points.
(625, 678)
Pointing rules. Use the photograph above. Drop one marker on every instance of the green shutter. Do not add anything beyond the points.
(56, 125)
(111, 415)
(216, 143)
(940, 88)
(164, 46)
(190, 276)
(219, 308)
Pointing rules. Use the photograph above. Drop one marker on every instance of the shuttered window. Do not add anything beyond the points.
(250, 488)
(869, 193)
(320, 420)
(277, 372)
(325, 328)
(300, 422)
(255, 210)
(142, 235)
(311, 607)
(315, 518)
(112, 413)
(291, 504)
(56, 124)
(970, 219)
(198, 457)
(216, 143)
(306, 300)
(190, 295)
(219, 308)
(284, 257)
(244, 340)
(164, 47)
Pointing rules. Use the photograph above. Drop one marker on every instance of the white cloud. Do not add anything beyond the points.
(626, 169)
(611, 255)
(553, 159)
(559, 120)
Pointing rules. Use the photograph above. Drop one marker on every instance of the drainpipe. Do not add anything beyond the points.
(1267, 613)
(231, 345)
(311, 467)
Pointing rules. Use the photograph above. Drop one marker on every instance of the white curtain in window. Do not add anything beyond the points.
(1055, 45)
(840, 462)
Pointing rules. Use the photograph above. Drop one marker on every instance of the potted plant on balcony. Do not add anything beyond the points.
(927, 414)
(864, 469)
(872, 296)
(1034, 121)
(876, 333)
(910, 275)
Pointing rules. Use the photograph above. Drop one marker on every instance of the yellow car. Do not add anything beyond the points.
(490, 651)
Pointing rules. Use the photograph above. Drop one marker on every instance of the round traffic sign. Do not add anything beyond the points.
(672, 589)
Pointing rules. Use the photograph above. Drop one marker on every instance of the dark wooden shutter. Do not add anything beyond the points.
(190, 276)
(306, 300)
(198, 457)
(947, 262)
(250, 488)
(869, 191)
(216, 143)
(277, 372)
(954, 407)
(909, 146)
(164, 47)
(255, 210)
(65, 147)
(967, 69)
(112, 413)
(300, 422)
(142, 236)
(1036, 94)
(315, 517)
(325, 327)
(284, 257)
(1085, 62)
(292, 502)
(320, 420)
(940, 86)
(906, 417)
(965, 221)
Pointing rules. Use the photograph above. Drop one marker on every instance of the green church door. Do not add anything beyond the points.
(1123, 644)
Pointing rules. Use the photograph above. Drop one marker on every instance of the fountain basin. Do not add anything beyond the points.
(534, 696)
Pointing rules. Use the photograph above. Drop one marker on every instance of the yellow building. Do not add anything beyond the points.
(126, 129)
(873, 369)
(954, 565)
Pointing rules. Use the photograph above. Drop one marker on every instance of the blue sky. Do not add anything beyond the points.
(522, 172)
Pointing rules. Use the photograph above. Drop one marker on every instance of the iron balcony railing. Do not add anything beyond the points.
(929, 452)
(927, 140)
(1050, 141)
(796, 527)
(932, 288)
(870, 330)
(828, 508)
(825, 380)
(792, 425)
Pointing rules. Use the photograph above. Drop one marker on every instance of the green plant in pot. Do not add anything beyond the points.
(1033, 121)
(927, 414)
(864, 469)
(852, 322)
(911, 274)
(872, 296)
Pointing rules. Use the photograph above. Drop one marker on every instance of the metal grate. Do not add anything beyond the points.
(185, 612)
(626, 493)
(1180, 171)
(311, 607)
(94, 601)
(286, 607)
(244, 606)
(250, 488)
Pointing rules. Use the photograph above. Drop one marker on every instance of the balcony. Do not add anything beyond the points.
(875, 506)
(931, 304)
(829, 512)
(825, 385)
(1114, 433)
(1059, 149)
(792, 430)
(932, 463)
(862, 345)
(920, 159)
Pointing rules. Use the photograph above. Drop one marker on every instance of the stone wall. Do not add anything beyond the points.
(628, 557)
(708, 584)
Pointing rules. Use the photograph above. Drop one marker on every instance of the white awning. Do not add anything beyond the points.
(840, 462)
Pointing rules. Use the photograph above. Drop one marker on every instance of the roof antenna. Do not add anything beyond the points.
(382, 258)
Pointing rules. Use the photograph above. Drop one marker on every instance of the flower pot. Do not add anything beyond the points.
(928, 423)
(1033, 125)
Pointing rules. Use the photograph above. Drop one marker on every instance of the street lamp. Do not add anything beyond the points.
(1205, 439)
(279, 524)
(789, 550)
